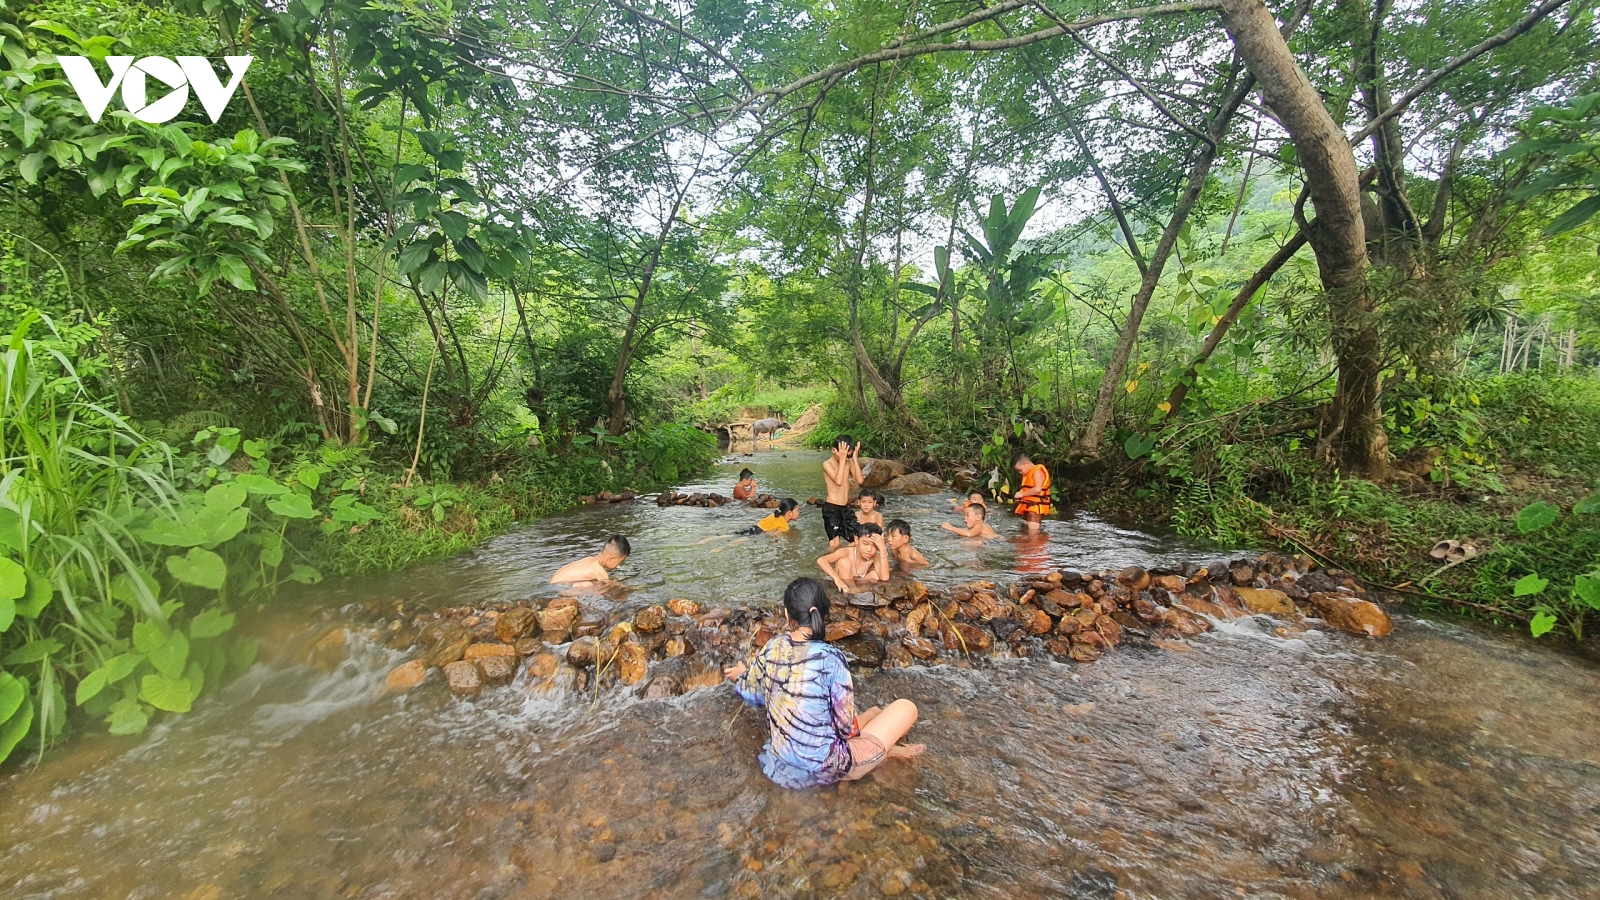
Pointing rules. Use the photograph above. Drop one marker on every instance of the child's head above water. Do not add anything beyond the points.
(807, 604)
(788, 508)
(848, 442)
(615, 551)
(975, 513)
(746, 475)
(897, 533)
(1021, 462)
(975, 498)
(870, 500)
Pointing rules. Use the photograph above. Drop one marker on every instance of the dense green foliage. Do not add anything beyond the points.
(446, 264)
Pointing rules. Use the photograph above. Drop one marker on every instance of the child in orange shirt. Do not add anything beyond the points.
(1033, 498)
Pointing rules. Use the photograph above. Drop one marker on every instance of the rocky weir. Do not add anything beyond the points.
(662, 651)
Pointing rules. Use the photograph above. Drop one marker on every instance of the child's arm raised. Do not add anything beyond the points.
(882, 557)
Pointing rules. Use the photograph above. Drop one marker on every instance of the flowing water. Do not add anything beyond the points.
(1443, 761)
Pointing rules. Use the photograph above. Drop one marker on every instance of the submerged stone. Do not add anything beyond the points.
(463, 677)
(862, 650)
(1352, 614)
(405, 676)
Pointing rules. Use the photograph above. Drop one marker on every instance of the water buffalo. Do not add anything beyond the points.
(768, 427)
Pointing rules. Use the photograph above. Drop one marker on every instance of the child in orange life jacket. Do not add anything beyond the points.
(1033, 497)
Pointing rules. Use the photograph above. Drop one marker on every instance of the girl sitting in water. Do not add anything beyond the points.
(816, 737)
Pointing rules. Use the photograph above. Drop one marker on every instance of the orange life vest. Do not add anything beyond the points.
(1036, 479)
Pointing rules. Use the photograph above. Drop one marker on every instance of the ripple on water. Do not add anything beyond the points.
(1442, 762)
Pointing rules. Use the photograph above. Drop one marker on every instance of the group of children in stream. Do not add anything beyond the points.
(816, 736)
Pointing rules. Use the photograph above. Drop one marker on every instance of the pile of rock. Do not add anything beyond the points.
(895, 476)
(662, 651)
(673, 498)
(627, 496)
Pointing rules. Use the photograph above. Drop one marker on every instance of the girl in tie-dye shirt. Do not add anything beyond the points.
(805, 686)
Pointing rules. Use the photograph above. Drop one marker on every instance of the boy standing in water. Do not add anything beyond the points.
(595, 569)
(1033, 498)
(746, 488)
(839, 471)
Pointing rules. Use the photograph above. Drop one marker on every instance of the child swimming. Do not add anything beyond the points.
(976, 527)
(898, 537)
(595, 569)
(815, 737)
(973, 498)
(839, 471)
(746, 488)
(867, 509)
(854, 567)
(777, 522)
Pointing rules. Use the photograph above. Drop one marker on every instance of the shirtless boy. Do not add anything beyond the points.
(898, 537)
(867, 509)
(976, 527)
(595, 569)
(839, 471)
(856, 567)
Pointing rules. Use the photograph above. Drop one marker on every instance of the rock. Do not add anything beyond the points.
(651, 618)
(1066, 578)
(405, 676)
(677, 646)
(329, 650)
(1109, 629)
(970, 638)
(1186, 622)
(921, 648)
(1005, 627)
(1082, 652)
(678, 606)
(462, 677)
(1265, 600)
(661, 686)
(841, 630)
(1241, 574)
(877, 473)
(516, 623)
(1134, 578)
(528, 646)
(862, 650)
(543, 665)
(482, 651)
(632, 663)
(1068, 626)
(1147, 610)
(449, 650)
(1315, 582)
(1351, 614)
(497, 669)
(581, 652)
(555, 623)
(896, 656)
(917, 483)
(1037, 621)
(1172, 584)
(1058, 648)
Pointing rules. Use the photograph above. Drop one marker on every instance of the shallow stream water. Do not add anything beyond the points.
(1443, 761)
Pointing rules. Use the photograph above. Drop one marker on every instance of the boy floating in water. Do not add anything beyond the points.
(595, 569)
(976, 527)
(746, 488)
(898, 537)
(1033, 498)
(867, 509)
(815, 737)
(839, 471)
(778, 522)
(855, 567)
(973, 498)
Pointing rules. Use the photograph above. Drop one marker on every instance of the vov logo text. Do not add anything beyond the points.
(179, 75)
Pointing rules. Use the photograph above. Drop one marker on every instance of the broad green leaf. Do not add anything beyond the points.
(121, 666)
(271, 550)
(227, 496)
(1587, 587)
(91, 685)
(168, 533)
(127, 586)
(210, 623)
(197, 680)
(128, 716)
(1536, 515)
(242, 654)
(293, 506)
(1529, 585)
(11, 530)
(13, 691)
(236, 272)
(255, 450)
(32, 652)
(13, 580)
(39, 595)
(221, 526)
(147, 636)
(8, 614)
(1588, 505)
(304, 574)
(309, 476)
(259, 484)
(164, 693)
(1541, 624)
(170, 658)
(200, 567)
(16, 727)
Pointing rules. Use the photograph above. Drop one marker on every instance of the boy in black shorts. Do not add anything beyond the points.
(839, 471)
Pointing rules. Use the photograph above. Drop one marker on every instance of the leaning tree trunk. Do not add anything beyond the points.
(1356, 435)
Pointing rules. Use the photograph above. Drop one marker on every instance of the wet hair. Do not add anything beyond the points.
(618, 544)
(787, 504)
(983, 511)
(1019, 456)
(845, 439)
(868, 528)
(808, 605)
(746, 473)
(979, 495)
(876, 497)
(898, 526)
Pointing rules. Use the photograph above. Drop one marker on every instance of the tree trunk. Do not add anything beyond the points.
(1357, 436)
(1106, 397)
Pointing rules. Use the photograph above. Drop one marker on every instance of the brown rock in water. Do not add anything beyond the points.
(402, 638)
(1265, 600)
(543, 665)
(590, 623)
(555, 624)
(1057, 648)
(528, 646)
(1172, 584)
(971, 638)
(1134, 578)
(1147, 610)
(877, 473)
(923, 616)
(862, 650)
(619, 632)
(916, 483)
(762, 636)
(497, 669)
(516, 623)
(632, 663)
(1037, 621)
(1241, 574)
(840, 630)
(989, 606)
(563, 603)
(1068, 626)
(677, 646)
(1109, 629)
(896, 656)
(581, 652)
(329, 650)
(651, 618)
(678, 606)
(405, 676)
(463, 677)
(1186, 622)
(1092, 637)
(921, 648)
(1203, 606)
(449, 650)
(1352, 614)
(481, 651)
(1083, 652)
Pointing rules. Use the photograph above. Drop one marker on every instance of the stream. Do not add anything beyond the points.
(1444, 761)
